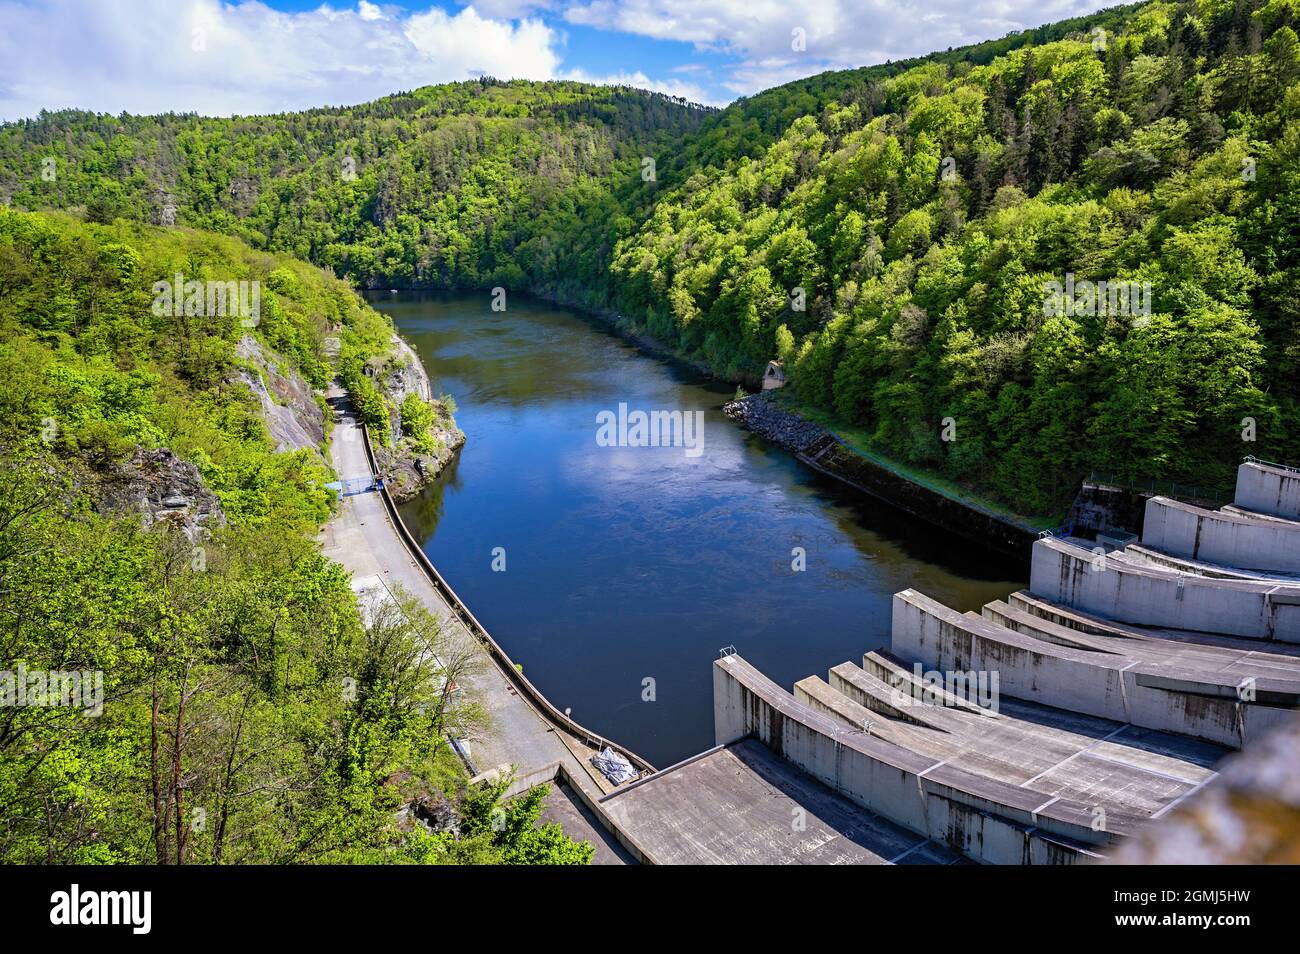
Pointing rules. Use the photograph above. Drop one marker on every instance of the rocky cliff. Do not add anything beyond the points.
(161, 488)
(408, 464)
(290, 409)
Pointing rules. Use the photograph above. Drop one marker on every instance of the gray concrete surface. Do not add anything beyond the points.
(1140, 555)
(1253, 515)
(1268, 489)
(1152, 596)
(741, 804)
(565, 808)
(1249, 814)
(1164, 686)
(1084, 622)
(984, 819)
(1109, 765)
(1215, 537)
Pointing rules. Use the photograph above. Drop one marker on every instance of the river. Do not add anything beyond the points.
(615, 574)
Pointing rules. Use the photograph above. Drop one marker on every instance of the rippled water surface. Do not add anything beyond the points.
(631, 563)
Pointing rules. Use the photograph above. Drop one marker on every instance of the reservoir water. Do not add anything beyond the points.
(627, 568)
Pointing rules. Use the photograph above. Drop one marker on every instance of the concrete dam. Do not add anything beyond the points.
(1107, 694)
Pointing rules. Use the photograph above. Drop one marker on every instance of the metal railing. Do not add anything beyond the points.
(1251, 459)
(1168, 488)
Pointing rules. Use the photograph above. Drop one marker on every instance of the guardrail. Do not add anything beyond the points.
(1251, 459)
(1167, 488)
(499, 656)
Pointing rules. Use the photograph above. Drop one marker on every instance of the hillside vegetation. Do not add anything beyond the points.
(889, 232)
(472, 184)
(1163, 152)
(248, 710)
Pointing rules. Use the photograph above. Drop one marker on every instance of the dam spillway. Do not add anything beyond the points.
(1105, 724)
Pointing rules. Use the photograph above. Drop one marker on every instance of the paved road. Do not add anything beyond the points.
(362, 538)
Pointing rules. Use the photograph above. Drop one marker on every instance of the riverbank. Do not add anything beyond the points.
(364, 538)
(409, 464)
(819, 447)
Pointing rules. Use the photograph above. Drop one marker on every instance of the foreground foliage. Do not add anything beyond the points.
(251, 710)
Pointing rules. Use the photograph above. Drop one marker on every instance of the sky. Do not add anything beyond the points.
(264, 56)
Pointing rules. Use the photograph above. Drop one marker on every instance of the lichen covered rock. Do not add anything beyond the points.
(161, 488)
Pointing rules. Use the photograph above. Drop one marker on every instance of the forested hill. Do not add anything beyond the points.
(892, 233)
(927, 215)
(157, 545)
(453, 184)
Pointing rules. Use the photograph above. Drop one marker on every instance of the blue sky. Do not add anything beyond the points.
(256, 56)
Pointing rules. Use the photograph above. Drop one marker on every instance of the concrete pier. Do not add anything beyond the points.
(1222, 696)
(1268, 488)
(984, 819)
(1151, 596)
(743, 804)
(1221, 538)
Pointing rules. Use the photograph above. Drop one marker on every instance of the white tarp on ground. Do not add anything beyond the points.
(614, 767)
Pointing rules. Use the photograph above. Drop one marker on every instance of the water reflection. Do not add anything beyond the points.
(628, 563)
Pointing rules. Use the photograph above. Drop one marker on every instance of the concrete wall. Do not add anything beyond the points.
(1106, 685)
(1148, 596)
(985, 820)
(1215, 537)
(1268, 490)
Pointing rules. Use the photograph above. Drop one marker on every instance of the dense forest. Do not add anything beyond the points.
(249, 710)
(890, 233)
(472, 184)
(924, 215)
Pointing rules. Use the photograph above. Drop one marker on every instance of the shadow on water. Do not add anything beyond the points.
(627, 568)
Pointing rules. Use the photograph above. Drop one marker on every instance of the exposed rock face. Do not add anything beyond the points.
(161, 487)
(405, 469)
(289, 406)
(401, 375)
(760, 413)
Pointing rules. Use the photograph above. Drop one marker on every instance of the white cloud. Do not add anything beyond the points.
(219, 58)
(690, 91)
(148, 56)
(839, 34)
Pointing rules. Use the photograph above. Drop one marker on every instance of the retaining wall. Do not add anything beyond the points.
(1182, 530)
(1150, 596)
(499, 656)
(1106, 685)
(985, 820)
(1268, 489)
